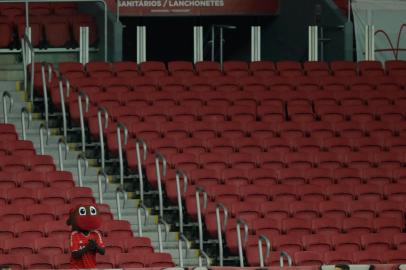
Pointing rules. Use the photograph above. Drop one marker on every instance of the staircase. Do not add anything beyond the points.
(129, 211)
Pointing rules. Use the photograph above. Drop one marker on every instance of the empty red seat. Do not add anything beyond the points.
(358, 225)
(338, 257)
(333, 209)
(84, 20)
(396, 67)
(394, 256)
(308, 258)
(276, 210)
(208, 68)
(316, 68)
(7, 34)
(346, 242)
(343, 68)
(363, 209)
(263, 68)
(181, 68)
(288, 243)
(317, 242)
(377, 241)
(367, 257)
(11, 260)
(50, 246)
(38, 261)
(370, 68)
(57, 33)
(236, 68)
(289, 68)
(131, 260)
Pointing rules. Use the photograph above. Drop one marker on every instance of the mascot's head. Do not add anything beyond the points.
(84, 218)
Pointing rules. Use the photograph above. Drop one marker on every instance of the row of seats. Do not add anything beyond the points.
(304, 258)
(241, 69)
(34, 179)
(17, 9)
(48, 30)
(121, 260)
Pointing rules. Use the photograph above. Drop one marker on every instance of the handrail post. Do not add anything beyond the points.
(63, 107)
(140, 160)
(182, 239)
(25, 113)
(240, 244)
(81, 115)
(82, 159)
(41, 137)
(161, 222)
(268, 249)
(220, 228)
(24, 57)
(44, 92)
(203, 256)
(122, 191)
(102, 174)
(286, 255)
(160, 158)
(61, 142)
(120, 127)
(141, 206)
(179, 192)
(7, 97)
(199, 213)
(101, 110)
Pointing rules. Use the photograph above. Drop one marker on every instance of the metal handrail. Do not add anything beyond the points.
(182, 239)
(268, 249)
(61, 142)
(6, 96)
(25, 113)
(41, 137)
(102, 174)
(220, 229)
(287, 256)
(82, 117)
(121, 126)
(161, 222)
(199, 213)
(45, 92)
(203, 256)
(140, 160)
(122, 191)
(160, 158)
(141, 206)
(102, 127)
(179, 192)
(27, 48)
(82, 159)
(239, 241)
(63, 107)
(103, 2)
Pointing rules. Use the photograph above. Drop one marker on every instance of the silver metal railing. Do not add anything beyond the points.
(28, 56)
(45, 82)
(140, 160)
(179, 192)
(25, 114)
(199, 191)
(182, 239)
(62, 142)
(119, 191)
(82, 117)
(63, 107)
(203, 257)
(263, 238)
(121, 126)
(101, 174)
(239, 241)
(158, 159)
(82, 162)
(102, 127)
(42, 128)
(283, 255)
(141, 207)
(103, 2)
(7, 98)
(221, 226)
(162, 222)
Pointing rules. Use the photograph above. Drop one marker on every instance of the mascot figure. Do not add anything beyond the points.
(85, 241)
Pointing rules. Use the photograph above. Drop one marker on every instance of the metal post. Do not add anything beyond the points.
(44, 92)
(161, 223)
(100, 111)
(239, 241)
(160, 158)
(141, 207)
(24, 57)
(179, 192)
(118, 10)
(213, 43)
(63, 107)
(41, 137)
(140, 160)
(267, 252)
(198, 43)
(81, 159)
(7, 97)
(122, 191)
(84, 45)
(349, 11)
(313, 43)
(82, 117)
(120, 127)
(27, 17)
(369, 42)
(25, 113)
(199, 213)
(101, 174)
(255, 43)
(221, 48)
(283, 255)
(141, 44)
(182, 239)
(60, 143)
(220, 227)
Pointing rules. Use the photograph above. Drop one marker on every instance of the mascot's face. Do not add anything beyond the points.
(84, 218)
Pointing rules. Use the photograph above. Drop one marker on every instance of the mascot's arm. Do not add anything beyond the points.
(79, 253)
(99, 245)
